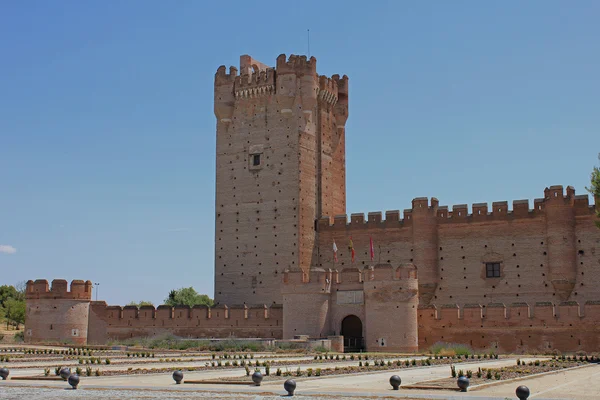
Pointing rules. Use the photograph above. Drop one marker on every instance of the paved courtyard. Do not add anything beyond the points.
(578, 383)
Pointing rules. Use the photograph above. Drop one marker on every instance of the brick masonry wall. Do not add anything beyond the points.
(518, 240)
(517, 327)
(115, 322)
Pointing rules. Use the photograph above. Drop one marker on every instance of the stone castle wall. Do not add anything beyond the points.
(115, 322)
(517, 327)
(548, 253)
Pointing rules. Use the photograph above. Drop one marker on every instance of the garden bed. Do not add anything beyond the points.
(487, 376)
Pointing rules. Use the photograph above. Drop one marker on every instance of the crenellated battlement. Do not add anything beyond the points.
(545, 314)
(328, 90)
(40, 289)
(166, 312)
(296, 64)
(480, 212)
(255, 84)
(224, 78)
(378, 272)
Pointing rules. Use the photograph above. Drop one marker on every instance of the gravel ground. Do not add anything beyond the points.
(19, 393)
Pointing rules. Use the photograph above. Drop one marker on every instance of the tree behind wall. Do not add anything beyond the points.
(594, 189)
(188, 297)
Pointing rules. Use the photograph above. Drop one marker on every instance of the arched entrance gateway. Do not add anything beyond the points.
(352, 332)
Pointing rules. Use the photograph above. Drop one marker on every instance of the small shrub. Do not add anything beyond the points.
(366, 363)
(414, 362)
(298, 372)
(460, 373)
(469, 373)
(78, 371)
(453, 371)
(352, 357)
(98, 373)
(318, 372)
(247, 370)
(46, 371)
(537, 363)
(406, 362)
(489, 374)
(268, 370)
(518, 361)
(278, 372)
(479, 373)
(497, 376)
(88, 371)
(309, 372)
(107, 361)
(360, 364)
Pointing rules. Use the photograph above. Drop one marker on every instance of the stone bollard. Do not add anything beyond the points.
(4, 372)
(522, 392)
(395, 381)
(290, 386)
(178, 377)
(73, 381)
(65, 373)
(257, 378)
(463, 383)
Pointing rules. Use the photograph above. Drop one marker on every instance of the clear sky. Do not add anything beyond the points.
(107, 131)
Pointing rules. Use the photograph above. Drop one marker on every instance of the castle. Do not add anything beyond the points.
(289, 263)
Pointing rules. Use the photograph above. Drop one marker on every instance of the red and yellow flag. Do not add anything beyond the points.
(351, 248)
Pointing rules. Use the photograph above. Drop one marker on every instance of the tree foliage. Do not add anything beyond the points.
(12, 304)
(141, 303)
(188, 297)
(14, 311)
(594, 189)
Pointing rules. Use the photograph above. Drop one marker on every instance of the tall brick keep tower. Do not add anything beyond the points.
(280, 167)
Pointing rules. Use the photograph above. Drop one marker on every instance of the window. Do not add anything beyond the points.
(256, 160)
(492, 270)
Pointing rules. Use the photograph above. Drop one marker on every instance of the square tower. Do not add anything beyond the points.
(280, 166)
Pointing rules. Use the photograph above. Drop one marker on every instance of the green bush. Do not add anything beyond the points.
(489, 374)
(318, 372)
(453, 371)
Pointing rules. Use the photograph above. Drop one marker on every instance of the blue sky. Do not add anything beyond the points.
(107, 131)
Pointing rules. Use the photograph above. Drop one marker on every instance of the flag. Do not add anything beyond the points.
(334, 251)
(351, 248)
(372, 250)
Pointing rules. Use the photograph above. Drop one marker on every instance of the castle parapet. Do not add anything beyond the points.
(499, 211)
(80, 290)
(299, 65)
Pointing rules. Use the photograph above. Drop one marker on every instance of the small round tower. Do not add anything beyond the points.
(57, 315)
(391, 301)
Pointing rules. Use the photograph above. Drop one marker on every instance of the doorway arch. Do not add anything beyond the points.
(352, 329)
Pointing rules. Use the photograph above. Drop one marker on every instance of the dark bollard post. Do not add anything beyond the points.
(463, 383)
(4, 372)
(257, 378)
(290, 386)
(178, 377)
(65, 373)
(73, 381)
(395, 381)
(522, 392)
